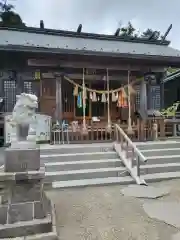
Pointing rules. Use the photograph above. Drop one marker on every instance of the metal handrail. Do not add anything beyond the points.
(136, 150)
(136, 155)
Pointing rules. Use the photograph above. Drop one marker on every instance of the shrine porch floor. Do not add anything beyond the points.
(103, 213)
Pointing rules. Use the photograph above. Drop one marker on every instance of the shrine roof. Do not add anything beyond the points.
(172, 76)
(51, 41)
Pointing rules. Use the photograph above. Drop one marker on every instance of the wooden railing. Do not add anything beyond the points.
(75, 135)
(151, 129)
(129, 153)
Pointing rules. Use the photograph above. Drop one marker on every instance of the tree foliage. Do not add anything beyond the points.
(9, 18)
(128, 31)
(149, 33)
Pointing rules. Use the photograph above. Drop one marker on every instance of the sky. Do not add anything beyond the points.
(103, 16)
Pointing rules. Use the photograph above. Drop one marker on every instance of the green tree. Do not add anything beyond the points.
(9, 18)
(149, 33)
(128, 31)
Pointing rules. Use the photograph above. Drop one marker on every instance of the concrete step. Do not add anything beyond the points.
(161, 152)
(155, 177)
(94, 182)
(78, 156)
(82, 164)
(158, 145)
(162, 159)
(76, 148)
(85, 174)
(160, 168)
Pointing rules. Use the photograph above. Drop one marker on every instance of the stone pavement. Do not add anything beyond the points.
(103, 213)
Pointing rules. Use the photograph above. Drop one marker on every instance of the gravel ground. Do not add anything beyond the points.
(95, 213)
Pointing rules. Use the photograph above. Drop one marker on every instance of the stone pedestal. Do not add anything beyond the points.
(25, 209)
(22, 160)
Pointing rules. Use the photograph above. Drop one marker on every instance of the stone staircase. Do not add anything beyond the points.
(83, 165)
(163, 160)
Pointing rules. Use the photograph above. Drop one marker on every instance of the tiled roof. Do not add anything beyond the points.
(10, 38)
(172, 76)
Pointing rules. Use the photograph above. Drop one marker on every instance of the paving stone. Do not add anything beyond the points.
(167, 212)
(20, 212)
(21, 160)
(176, 236)
(144, 191)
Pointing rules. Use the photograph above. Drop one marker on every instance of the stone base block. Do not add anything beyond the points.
(40, 228)
(20, 212)
(21, 160)
(3, 215)
(25, 192)
(22, 176)
(27, 211)
(27, 228)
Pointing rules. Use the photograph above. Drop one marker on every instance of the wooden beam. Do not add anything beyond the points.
(121, 78)
(93, 65)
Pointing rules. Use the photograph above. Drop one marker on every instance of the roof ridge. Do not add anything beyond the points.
(48, 31)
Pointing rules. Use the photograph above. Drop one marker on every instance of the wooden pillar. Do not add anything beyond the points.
(143, 97)
(162, 95)
(162, 128)
(59, 99)
(148, 91)
(18, 77)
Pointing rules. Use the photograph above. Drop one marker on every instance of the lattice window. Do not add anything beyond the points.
(9, 95)
(28, 87)
(155, 97)
(137, 89)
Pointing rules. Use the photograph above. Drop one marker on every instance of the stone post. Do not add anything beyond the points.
(25, 209)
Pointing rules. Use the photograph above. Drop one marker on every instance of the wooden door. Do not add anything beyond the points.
(48, 96)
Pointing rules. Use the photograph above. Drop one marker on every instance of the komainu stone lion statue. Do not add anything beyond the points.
(23, 115)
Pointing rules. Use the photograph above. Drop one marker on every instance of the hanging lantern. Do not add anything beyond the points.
(114, 98)
(37, 75)
(94, 97)
(103, 98)
(75, 92)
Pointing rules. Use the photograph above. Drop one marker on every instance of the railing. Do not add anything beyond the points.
(151, 129)
(129, 153)
(69, 135)
(173, 125)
